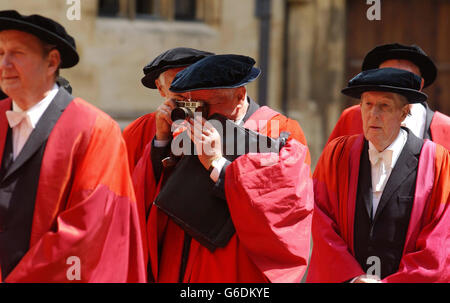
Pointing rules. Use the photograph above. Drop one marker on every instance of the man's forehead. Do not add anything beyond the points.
(203, 94)
(167, 76)
(18, 37)
(377, 95)
(172, 72)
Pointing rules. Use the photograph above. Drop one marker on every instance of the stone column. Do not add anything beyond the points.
(315, 67)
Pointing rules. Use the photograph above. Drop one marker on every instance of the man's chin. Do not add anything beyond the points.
(11, 90)
(376, 139)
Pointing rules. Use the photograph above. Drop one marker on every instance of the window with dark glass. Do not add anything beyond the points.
(148, 8)
(109, 8)
(185, 9)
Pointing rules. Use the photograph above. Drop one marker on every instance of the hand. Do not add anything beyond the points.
(367, 279)
(206, 139)
(163, 120)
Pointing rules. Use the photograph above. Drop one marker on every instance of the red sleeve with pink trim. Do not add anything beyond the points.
(335, 180)
(270, 200)
(85, 211)
(426, 257)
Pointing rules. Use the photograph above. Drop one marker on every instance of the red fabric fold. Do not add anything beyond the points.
(137, 135)
(271, 207)
(335, 184)
(426, 257)
(440, 129)
(283, 222)
(85, 205)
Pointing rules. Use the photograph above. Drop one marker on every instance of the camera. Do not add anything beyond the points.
(186, 109)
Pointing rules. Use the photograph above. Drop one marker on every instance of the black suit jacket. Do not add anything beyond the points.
(384, 235)
(18, 185)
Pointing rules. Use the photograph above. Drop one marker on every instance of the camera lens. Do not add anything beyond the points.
(181, 113)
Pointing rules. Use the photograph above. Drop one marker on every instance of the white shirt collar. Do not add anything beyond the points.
(239, 121)
(416, 122)
(396, 146)
(381, 174)
(37, 110)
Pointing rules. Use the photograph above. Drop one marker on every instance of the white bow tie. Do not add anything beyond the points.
(381, 163)
(15, 118)
(385, 156)
(21, 124)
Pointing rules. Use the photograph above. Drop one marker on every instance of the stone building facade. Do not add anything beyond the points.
(301, 46)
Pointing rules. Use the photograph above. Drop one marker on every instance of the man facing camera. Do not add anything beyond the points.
(66, 196)
(382, 197)
(423, 122)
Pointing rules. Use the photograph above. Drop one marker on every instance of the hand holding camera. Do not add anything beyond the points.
(175, 110)
(206, 139)
(186, 109)
(163, 119)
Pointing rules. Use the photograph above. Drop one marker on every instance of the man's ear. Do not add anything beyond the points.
(406, 110)
(160, 88)
(241, 92)
(54, 61)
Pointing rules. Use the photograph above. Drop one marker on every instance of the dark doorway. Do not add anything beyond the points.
(425, 23)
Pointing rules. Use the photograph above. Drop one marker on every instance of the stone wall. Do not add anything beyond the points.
(315, 73)
(305, 71)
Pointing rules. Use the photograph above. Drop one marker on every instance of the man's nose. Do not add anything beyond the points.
(5, 61)
(376, 110)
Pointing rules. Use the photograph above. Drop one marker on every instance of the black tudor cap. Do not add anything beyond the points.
(46, 30)
(411, 53)
(387, 80)
(172, 58)
(216, 72)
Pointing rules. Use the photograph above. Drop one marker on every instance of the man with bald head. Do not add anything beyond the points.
(423, 122)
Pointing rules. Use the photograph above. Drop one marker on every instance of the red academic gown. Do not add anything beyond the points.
(85, 204)
(271, 208)
(137, 135)
(350, 123)
(426, 255)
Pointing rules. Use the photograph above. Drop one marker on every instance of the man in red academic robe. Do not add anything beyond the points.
(68, 212)
(423, 122)
(263, 201)
(382, 199)
(159, 75)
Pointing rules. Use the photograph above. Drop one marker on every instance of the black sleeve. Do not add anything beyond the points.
(157, 154)
(219, 187)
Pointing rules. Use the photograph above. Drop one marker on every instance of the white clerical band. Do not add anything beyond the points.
(217, 168)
